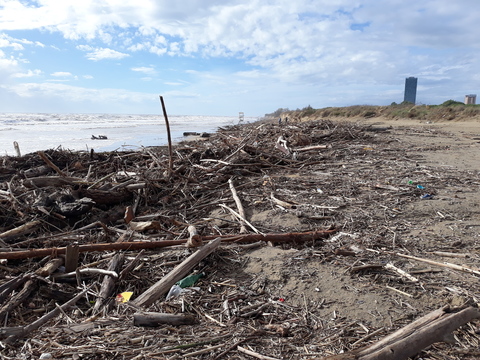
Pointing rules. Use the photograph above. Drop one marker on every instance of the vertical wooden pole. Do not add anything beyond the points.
(71, 257)
(170, 165)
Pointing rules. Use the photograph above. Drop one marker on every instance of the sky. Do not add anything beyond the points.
(222, 57)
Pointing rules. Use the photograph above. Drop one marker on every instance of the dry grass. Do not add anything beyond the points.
(433, 113)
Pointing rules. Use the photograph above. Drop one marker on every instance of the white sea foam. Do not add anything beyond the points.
(35, 132)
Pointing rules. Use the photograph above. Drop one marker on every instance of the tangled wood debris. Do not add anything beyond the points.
(302, 241)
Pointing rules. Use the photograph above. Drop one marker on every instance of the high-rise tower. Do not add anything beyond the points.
(410, 90)
(471, 99)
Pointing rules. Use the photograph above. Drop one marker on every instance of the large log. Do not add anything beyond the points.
(46, 181)
(156, 319)
(162, 286)
(137, 245)
(108, 283)
(20, 230)
(17, 299)
(416, 336)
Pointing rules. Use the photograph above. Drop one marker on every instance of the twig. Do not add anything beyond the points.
(230, 348)
(47, 317)
(444, 264)
(399, 291)
(255, 354)
(390, 266)
(203, 351)
(88, 271)
(368, 336)
(241, 218)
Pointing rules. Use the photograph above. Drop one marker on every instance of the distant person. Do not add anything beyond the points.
(279, 121)
(286, 120)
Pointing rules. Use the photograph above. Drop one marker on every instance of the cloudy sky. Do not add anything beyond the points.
(219, 57)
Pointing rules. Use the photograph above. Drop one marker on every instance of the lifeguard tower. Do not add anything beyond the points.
(241, 117)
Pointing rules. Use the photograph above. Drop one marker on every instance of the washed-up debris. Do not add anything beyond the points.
(282, 221)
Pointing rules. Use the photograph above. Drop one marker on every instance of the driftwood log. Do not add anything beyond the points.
(161, 287)
(156, 319)
(28, 287)
(20, 230)
(108, 282)
(410, 340)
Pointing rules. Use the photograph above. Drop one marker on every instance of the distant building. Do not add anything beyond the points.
(410, 90)
(471, 99)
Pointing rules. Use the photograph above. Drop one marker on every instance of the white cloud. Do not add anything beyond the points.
(28, 74)
(145, 70)
(61, 74)
(277, 45)
(158, 51)
(96, 54)
(77, 94)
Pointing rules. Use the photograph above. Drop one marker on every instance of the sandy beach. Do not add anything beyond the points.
(396, 201)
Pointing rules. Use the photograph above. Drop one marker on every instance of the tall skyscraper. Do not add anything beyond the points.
(471, 99)
(410, 89)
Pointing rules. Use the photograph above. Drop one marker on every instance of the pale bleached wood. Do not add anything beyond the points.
(238, 202)
(410, 340)
(162, 286)
(194, 238)
(20, 230)
(462, 268)
(108, 282)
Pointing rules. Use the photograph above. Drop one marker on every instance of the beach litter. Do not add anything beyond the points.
(92, 243)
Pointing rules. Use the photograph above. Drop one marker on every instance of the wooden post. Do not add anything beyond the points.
(71, 258)
(170, 152)
(194, 239)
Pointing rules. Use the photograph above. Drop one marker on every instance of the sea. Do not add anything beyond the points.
(33, 132)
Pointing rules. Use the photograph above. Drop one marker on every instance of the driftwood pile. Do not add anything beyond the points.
(82, 232)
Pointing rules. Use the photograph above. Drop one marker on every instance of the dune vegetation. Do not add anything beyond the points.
(447, 111)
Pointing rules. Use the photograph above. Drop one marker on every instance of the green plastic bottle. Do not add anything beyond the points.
(189, 280)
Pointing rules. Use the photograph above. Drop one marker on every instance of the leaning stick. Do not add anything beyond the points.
(162, 286)
(241, 211)
(137, 245)
(170, 151)
(51, 164)
(241, 218)
(255, 354)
